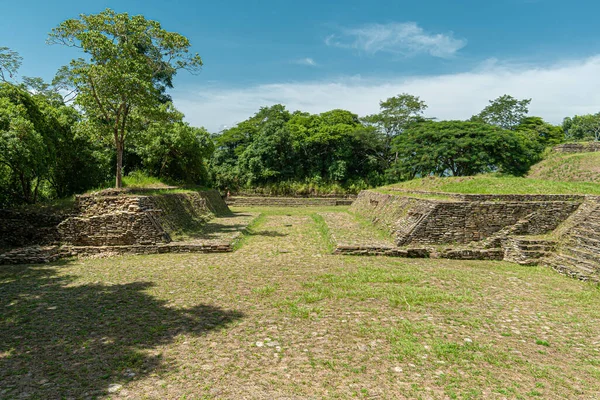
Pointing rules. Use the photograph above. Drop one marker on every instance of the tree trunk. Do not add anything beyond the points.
(119, 181)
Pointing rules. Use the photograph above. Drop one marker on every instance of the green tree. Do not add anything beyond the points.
(544, 133)
(25, 143)
(176, 151)
(10, 61)
(120, 86)
(396, 115)
(231, 144)
(270, 156)
(582, 127)
(506, 112)
(460, 148)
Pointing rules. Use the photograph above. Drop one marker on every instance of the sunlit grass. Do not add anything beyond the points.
(492, 184)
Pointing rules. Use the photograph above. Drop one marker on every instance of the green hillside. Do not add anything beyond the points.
(491, 184)
(579, 167)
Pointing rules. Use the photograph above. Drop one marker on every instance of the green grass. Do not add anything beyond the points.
(282, 318)
(578, 167)
(491, 184)
(323, 232)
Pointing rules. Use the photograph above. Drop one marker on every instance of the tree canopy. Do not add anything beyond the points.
(120, 85)
(506, 112)
(460, 148)
(582, 127)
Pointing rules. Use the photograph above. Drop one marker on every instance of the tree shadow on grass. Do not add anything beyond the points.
(59, 339)
(268, 233)
(220, 227)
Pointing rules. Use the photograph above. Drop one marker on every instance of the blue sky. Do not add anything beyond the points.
(315, 55)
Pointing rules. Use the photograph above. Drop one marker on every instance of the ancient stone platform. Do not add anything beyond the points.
(561, 231)
(115, 222)
(219, 235)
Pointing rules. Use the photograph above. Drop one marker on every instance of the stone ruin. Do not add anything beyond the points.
(582, 147)
(562, 231)
(110, 221)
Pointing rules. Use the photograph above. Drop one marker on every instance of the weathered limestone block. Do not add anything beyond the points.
(26, 228)
(113, 229)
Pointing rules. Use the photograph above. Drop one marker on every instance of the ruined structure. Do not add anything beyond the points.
(558, 230)
(583, 147)
(119, 222)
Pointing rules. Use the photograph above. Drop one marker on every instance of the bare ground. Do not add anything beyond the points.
(282, 318)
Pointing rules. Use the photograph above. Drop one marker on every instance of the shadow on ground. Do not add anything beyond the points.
(59, 339)
(221, 227)
(267, 233)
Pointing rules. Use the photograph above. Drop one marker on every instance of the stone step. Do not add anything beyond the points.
(586, 240)
(582, 245)
(573, 267)
(537, 247)
(527, 241)
(535, 254)
(589, 226)
(578, 264)
(581, 254)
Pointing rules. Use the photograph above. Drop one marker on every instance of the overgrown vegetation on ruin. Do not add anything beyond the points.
(491, 184)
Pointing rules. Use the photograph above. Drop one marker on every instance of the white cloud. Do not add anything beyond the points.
(305, 61)
(405, 39)
(559, 90)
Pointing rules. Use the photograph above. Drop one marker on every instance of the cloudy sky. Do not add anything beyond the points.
(316, 55)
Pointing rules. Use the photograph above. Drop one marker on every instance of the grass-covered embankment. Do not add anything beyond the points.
(491, 184)
(578, 167)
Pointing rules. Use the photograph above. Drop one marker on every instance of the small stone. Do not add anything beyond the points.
(397, 369)
(259, 344)
(114, 388)
(468, 340)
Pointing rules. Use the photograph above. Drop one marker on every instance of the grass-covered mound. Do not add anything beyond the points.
(491, 184)
(579, 167)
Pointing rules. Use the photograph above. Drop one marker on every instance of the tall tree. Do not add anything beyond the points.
(396, 115)
(506, 112)
(10, 61)
(26, 145)
(121, 85)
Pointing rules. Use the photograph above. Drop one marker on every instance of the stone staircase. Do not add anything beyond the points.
(578, 252)
(527, 251)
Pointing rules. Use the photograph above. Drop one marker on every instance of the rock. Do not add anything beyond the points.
(114, 388)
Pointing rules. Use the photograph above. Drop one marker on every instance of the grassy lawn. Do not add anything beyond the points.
(490, 184)
(282, 318)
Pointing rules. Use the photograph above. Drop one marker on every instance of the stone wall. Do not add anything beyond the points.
(26, 228)
(128, 219)
(583, 147)
(263, 201)
(430, 221)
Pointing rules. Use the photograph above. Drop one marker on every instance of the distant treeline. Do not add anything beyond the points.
(112, 110)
